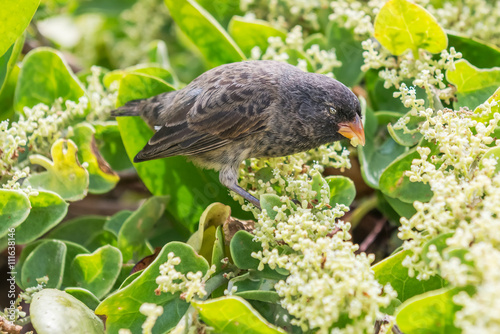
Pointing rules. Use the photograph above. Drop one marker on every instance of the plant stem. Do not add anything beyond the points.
(214, 282)
(361, 211)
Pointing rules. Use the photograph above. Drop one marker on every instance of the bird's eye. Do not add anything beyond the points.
(332, 110)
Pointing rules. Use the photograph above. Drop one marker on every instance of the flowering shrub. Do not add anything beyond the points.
(194, 258)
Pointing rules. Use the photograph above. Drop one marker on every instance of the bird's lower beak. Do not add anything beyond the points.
(353, 129)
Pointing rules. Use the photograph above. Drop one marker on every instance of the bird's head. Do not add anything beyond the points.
(336, 108)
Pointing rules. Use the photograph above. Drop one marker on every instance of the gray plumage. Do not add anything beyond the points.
(245, 110)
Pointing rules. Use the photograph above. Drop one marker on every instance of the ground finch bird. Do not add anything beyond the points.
(247, 110)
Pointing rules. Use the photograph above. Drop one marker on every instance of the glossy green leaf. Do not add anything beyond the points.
(142, 290)
(115, 222)
(47, 210)
(85, 296)
(205, 32)
(97, 272)
(474, 85)
(348, 50)
(9, 59)
(478, 53)
(242, 246)
(57, 312)
(203, 239)
(380, 149)
(64, 176)
(391, 270)
(431, 312)
(44, 77)
(342, 190)
(14, 208)
(47, 259)
(249, 33)
(229, 315)
(15, 17)
(191, 188)
(401, 25)
(394, 183)
(132, 238)
(101, 177)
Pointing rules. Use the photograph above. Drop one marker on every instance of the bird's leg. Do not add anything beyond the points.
(229, 178)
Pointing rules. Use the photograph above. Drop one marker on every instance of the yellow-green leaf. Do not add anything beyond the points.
(401, 25)
(64, 176)
(15, 17)
(14, 208)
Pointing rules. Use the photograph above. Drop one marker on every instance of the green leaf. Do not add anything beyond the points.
(85, 296)
(101, 177)
(478, 112)
(253, 287)
(47, 259)
(242, 246)
(45, 77)
(47, 210)
(477, 52)
(219, 250)
(430, 312)
(64, 176)
(249, 33)
(57, 312)
(80, 230)
(391, 270)
(394, 183)
(110, 144)
(222, 10)
(401, 25)
(402, 209)
(205, 32)
(97, 272)
(407, 139)
(268, 202)
(494, 153)
(474, 85)
(72, 250)
(380, 149)
(228, 315)
(132, 238)
(8, 61)
(142, 290)
(191, 188)
(15, 17)
(7, 95)
(348, 50)
(115, 222)
(342, 190)
(157, 72)
(203, 239)
(14, 208)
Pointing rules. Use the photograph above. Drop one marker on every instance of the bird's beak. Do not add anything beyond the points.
(353, 129)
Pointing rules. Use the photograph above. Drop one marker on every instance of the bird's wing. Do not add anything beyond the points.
(230, 104)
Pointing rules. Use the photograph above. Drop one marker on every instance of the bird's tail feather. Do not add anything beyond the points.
(131, 108)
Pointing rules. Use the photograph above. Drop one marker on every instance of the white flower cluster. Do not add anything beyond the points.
(39, 127)
(473, 18)
(291, 168)
(426, 72)
(356, 15)
(191, 284)
(327, 280)
(466, 191)
(321, 61)
(152, 312)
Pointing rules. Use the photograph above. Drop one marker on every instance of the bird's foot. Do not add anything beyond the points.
(243, 193)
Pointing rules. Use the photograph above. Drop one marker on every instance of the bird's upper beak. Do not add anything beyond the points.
(353, 129)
